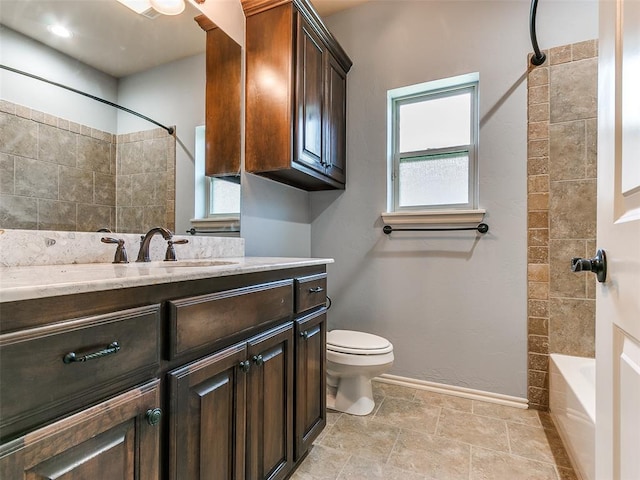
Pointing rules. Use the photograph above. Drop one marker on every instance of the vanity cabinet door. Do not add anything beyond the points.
(112, 440)
(207, 417)
(310, 374)
(270, 405)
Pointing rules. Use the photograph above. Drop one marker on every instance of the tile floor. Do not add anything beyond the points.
(419, 435)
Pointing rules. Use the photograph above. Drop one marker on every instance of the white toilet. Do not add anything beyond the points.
(353, 359)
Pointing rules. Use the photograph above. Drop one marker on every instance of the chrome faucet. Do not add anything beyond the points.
(143, 254)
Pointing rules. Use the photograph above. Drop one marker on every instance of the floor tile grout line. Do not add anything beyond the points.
(343, 467)
(506, 427)
(557, 469)
(508, 420)
(395, 442)
(435, 430)
(521, 457)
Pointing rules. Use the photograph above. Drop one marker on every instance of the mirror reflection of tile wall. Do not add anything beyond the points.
(60, 175)
(145, 180)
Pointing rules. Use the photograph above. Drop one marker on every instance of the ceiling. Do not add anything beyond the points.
(110, 37)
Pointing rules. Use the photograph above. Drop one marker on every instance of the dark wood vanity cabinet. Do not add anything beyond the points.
(231, 412)
(221, 378)
(295, 96)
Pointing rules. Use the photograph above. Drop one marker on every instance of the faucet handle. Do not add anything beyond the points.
(121, 252)
(170, 256)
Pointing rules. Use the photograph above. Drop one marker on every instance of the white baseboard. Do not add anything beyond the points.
(470, 393)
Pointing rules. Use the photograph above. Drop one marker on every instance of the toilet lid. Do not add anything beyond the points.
(358, 343)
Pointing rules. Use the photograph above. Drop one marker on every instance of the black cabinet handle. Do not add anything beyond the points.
(258, 360)
(597, 265)
(71, 357)
(245, 366)
(153, 416)
(316, 290)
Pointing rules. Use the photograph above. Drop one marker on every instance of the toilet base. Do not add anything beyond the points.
(353, 395)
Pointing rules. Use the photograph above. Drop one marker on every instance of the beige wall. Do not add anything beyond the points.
(561, 209)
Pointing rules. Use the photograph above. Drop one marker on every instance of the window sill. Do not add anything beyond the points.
(219, 224)
(433, 217)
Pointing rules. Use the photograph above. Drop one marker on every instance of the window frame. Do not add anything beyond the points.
(415, 93)
(222, 224)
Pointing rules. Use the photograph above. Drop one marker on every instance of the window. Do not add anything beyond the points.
(223, 196)
(214, 196)
(432, 145)
(217, 200)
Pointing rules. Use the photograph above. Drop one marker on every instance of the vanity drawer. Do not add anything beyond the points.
(43, 380)
(196, 322)
(311, 292)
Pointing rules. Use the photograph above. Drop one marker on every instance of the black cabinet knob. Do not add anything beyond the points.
(153, 416)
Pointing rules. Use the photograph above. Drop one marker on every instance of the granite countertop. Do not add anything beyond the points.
(32, 282)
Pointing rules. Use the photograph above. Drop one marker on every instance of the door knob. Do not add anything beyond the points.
(597, 265)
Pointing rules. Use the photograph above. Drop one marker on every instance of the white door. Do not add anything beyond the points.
(618, 299)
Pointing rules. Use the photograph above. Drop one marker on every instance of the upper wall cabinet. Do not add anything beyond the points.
(222, 109)
(295, 97)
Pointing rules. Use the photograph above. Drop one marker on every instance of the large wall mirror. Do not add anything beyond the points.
(69, 162)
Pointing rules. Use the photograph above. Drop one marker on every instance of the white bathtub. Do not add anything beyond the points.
(572, 402)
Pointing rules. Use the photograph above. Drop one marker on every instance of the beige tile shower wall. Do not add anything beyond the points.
(562, 108)
(145, 180)
(54, 174)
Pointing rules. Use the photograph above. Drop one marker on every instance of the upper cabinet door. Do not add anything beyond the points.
(335, 120)
(310, 97)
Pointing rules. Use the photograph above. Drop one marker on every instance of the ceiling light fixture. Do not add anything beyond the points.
(168, 7)
(60, 31)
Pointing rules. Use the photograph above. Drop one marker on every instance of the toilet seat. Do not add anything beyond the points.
(357, 343)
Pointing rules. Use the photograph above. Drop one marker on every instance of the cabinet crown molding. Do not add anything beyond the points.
(253, 7)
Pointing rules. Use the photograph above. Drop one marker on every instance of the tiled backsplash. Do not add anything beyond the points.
(60, 175)
(561, 169)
